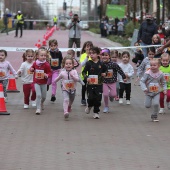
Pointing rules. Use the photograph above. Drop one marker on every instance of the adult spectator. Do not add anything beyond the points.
(19, 23)
(120, 27)
(5, 22)
(116, 22)
(147, 29)
(74, 26)
(55, 20)
(160, 49)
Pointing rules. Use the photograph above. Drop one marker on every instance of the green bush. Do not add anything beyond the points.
(95, 30)
(1, 24)
(129, 28)
(122, 40)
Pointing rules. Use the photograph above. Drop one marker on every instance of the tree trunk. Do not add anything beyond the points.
(163, 11)
(158, 11)
(134, 12)
(141, 11)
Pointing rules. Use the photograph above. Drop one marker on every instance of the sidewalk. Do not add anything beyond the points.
(124, 139)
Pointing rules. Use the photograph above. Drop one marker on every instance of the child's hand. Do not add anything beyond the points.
(31, 69)
(19, 73)
(88, 80)
(165, 92)
(71, 75)
(16, 76)
(103, 74)
(125, 80)
(127, 76)
(45, 75)
(146, 91)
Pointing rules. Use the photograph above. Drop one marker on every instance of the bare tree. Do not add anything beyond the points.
(158, 11)
(134, 12)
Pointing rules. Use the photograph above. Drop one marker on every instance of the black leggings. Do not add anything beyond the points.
(125, 87)
(83, 90)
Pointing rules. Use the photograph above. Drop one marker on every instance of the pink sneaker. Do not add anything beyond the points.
(69, 108)
(117, 98)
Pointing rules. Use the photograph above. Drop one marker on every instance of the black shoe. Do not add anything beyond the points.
(48, 87)
(20, 36)
(83, 102)
(53, 98)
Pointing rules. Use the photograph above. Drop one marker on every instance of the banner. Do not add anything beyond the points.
(116, 11)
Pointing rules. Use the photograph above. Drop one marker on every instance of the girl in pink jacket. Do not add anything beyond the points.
(69, 78)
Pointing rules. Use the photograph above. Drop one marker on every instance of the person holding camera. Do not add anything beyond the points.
(74, 26)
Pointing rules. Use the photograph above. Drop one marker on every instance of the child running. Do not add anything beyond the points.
(71, 53)
(125, 85)
(83, 60)
(93, 73)
(56, 60)
(27, 78)
(151, 83)
(165, 68)
(138, 58)
(42, 72)
(109, 83)
(115, 55)
(145, 65)
(5, 69)
(69, 78)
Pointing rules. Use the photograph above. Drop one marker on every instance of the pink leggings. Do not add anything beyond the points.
(108, 90)
(162, 98)
(68, 100)
(50, 81)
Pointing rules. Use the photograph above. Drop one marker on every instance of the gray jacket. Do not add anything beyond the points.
(153, 83)
(145, 65)
(74, 29)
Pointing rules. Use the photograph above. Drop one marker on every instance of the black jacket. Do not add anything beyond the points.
(146, 32)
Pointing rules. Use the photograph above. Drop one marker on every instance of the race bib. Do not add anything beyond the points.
(54, 62)
(166, 76)
(154, 87)
(69, 84)
(39, 74)
(2, 73)
(93, 79)
(109, 74)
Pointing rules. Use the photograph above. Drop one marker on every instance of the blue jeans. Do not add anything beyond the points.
(144, 50)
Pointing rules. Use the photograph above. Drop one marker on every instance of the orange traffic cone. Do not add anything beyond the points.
(3, 110)
(44, 43)
(12, 84)
(39, 44)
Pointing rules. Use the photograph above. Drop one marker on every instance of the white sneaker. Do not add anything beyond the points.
(168, 105)
(161, 111)
(26, 106)
(155, 120)
(66, 115)
(96, 116)
(127, 102)
(33, 103)
(38, 111)
(120, 101)
(106, 110)
(87, 110)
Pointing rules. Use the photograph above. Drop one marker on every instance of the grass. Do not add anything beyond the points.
(122, 40)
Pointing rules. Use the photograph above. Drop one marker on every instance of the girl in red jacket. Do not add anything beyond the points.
(42, 71)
